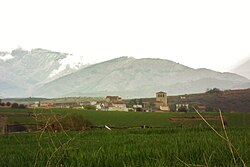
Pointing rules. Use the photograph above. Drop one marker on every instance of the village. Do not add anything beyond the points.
(112, 103)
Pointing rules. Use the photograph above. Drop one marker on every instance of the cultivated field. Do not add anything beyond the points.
(167, 139)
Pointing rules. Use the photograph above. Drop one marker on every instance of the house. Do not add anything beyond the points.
(113, 99)
(46, 104)
(118, 107)
(115, 107)
(178, 106)
(138, 107)
(182, 97)
(113, 103)
(93, 103)
(100, 106)
(36, 104)
(161, 102)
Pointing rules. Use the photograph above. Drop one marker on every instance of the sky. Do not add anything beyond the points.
(212, 34)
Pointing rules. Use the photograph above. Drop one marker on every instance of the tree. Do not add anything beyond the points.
(14, 105)
(2, 104)
(183, 109)
(72, 121)
(132, 102)
(90, 107)
(214, 90)
(22, 106)
(8, 104)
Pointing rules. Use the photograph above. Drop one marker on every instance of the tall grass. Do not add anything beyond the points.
(224, 137)
(190, 145)
(145, 147)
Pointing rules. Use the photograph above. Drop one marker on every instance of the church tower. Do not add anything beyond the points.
(162, 101)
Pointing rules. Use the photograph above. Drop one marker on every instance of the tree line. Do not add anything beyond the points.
(12, 105)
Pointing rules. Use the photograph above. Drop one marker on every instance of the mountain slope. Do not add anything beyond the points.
(10, 89)
(243, 69)
(130, 77)
(26, 69)
(229, 100)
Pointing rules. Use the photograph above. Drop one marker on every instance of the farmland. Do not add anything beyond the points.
(171, 139)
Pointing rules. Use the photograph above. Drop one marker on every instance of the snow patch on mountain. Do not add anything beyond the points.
(6, 57)
(70, 61)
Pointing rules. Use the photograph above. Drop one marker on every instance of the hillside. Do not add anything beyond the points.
(243, 69)
(228, 100)
(130, 77)
(26, 69)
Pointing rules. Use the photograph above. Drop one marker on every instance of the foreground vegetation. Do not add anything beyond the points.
(146, 147)
(167, 143)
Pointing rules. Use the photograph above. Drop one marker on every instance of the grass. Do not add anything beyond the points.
(191, 144)
(147, 147)
(101, 118)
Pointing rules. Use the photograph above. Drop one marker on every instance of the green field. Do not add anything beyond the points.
(100, 118)
(167, 142)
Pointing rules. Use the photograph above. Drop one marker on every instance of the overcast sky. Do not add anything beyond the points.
(212, 34)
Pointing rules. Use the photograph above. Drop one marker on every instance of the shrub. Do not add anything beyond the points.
(90, 107)
(183, 109)
(14, 105)
(22, 106)
(71, 121)
(8, 104)
(214, 90)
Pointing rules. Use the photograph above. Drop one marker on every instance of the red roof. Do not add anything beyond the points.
(108, 105)
(201, 107)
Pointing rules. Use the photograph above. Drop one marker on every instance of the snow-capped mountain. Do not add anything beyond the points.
(130, 77)
(25, 70)
(45, 73)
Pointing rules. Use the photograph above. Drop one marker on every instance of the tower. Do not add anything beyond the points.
(162, 101)
(162, 97)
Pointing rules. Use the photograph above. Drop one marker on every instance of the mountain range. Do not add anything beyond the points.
(24, 70)
(41, 73)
